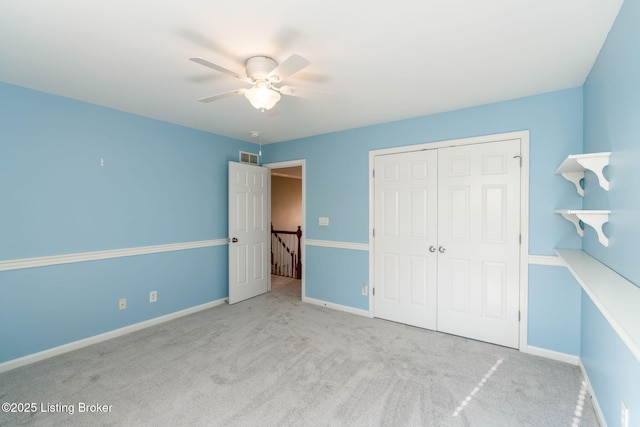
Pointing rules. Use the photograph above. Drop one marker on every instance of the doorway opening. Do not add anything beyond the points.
(286, 212)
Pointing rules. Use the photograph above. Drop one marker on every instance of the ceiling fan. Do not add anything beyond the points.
(265, 75)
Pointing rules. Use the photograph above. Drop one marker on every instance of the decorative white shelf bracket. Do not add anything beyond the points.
(595, 219)
(573, 167)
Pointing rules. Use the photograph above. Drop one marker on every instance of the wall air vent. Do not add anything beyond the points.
(249, 158)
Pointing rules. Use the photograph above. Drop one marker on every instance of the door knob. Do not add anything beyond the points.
(441, 249)
(432, 248)
(234, 240)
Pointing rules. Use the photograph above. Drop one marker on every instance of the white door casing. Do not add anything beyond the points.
(406, 226)
(478, 241)
(249, 231)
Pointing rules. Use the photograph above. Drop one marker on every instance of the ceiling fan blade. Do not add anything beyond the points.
(290, 66)
(302, 92)
(222, 95)
(216, 67)
(208, 43)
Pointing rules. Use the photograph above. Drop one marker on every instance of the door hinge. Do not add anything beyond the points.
(373, 291)
(518, 315)
(520, 238)
(374, 232)
(374, 173)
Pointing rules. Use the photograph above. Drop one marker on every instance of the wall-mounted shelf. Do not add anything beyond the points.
(573, 167)
(617, 298)
(595, 219)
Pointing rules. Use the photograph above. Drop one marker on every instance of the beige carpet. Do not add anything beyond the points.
(275, 361)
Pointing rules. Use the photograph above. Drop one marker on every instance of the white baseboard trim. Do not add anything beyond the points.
(554, 355)
(594, 399)
(334, 306)
(337, 245)
(18, 264)
(65, 348)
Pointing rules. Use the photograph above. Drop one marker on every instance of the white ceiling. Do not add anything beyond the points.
(382, 60)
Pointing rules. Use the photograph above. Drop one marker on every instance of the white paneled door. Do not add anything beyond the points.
(405, 227)
(249, 231)
(478, 241)
(447, 225)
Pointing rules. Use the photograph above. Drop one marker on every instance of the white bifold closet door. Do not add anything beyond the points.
(479, 232)
(447, 224)
(405, 226)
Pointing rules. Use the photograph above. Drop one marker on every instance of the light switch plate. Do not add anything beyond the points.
(323, 220)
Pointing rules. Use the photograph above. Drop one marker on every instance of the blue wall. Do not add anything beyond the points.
(614, 372)
(160, 184)
(351, 267)
(337, 163)
(554, 291)
(337, 185)
(612, 123)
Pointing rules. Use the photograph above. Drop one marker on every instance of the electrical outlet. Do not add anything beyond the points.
(122, 304)
(153, 296)
(624, 416)
(365, 290)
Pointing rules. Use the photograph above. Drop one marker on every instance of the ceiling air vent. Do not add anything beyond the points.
(249, 158)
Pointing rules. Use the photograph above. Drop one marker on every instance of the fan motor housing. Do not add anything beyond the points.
(259, 67)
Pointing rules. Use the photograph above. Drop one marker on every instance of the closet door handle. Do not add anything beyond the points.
(432, 249)
(442, 249)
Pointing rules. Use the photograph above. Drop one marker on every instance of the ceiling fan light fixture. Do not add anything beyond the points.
(263, 73)
(262, 97)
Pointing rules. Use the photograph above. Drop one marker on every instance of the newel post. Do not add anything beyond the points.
(299, 264)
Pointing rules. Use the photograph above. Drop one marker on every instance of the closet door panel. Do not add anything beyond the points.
(405, 226)
(479, 238)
